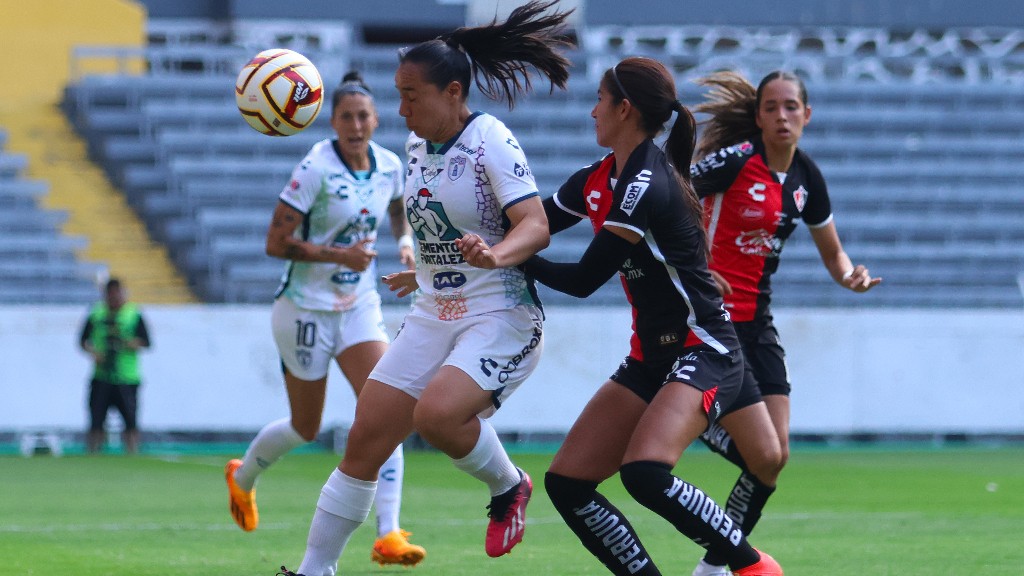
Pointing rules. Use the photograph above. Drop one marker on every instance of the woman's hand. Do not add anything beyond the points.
(357, 257)
(404, 282)
(859, 280)
(476, 252)
(724, 288)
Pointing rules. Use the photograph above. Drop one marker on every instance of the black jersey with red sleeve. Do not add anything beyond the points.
(674, 300)
(749, 212)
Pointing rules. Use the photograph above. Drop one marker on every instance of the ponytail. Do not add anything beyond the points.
(497, 56)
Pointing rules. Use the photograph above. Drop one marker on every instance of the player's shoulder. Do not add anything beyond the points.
(386, 159)
(806, 162)
(733, 155)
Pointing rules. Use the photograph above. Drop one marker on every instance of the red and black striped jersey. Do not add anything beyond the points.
(749, 212)
(675, 301)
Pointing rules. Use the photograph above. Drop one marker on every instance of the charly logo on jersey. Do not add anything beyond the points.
(456, 168)
(512, 142)
(635, 191)
(800, 197)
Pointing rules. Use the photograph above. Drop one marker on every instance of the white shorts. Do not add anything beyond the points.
(308, 340)
(498, 350)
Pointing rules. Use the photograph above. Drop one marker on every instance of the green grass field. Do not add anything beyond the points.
(904, 512)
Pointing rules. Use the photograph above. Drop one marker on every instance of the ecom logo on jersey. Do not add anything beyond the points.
(635, 191)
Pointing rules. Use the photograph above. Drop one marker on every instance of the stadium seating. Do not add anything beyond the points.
(918, 139)
(38, 263)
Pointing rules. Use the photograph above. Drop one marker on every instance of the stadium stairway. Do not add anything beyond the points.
(95, 209)
(37, 129)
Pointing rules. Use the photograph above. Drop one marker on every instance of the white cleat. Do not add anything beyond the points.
(705, 569)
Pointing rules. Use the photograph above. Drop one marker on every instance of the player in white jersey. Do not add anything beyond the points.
(327, 307)
(475, 332)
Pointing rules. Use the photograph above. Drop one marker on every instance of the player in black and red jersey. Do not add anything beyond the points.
(684, 369)
(756, 184)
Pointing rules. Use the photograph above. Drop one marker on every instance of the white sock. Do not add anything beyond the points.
(388, 501)
(273, 441)
(489, 463)
(343, 506)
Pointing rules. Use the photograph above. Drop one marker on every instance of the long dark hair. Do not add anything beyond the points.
(651, 89)
(499, 53)
(732, 104)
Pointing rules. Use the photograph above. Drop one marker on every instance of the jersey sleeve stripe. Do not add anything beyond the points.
(520, 199)
(293, 206)
(563, 207)
(638, 231)
(823, 223)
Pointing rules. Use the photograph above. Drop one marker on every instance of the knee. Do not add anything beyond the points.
(768, 465)
(434, 422)
(567, 493)
(644, 480)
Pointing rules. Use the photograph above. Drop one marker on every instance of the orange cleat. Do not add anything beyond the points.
(241, 503)
(394, 548)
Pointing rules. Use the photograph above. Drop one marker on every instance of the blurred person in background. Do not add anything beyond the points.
(113, 334)
(756, 185)
(327, 307)
(475, 331)
(684, 371)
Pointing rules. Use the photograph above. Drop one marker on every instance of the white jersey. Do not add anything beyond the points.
(465, 186)
(340, 209)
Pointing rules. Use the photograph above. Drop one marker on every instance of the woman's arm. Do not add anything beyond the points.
(527, 236)
(402, 232)
(281, 243)
(838, 263)
(603, 258)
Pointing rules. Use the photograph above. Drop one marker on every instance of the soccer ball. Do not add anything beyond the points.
(279, 92)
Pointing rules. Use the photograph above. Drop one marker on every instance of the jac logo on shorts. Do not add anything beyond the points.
(635, 191)
(444, 280)
(345, 277)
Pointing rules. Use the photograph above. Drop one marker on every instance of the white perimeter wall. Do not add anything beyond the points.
(216, 368)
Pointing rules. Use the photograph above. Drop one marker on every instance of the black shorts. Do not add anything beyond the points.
(719, 376)
(103, 396)
(766, 359)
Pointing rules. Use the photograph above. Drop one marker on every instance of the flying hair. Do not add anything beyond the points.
(498, 56)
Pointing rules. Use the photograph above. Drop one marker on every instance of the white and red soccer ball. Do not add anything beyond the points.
(279, 92)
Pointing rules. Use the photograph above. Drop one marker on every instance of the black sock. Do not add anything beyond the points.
(718, 440)
(744, 506)
(599, 525)
(689, 509)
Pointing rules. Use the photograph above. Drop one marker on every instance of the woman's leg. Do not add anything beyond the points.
(306, 401)
(675, 418)
(591, 453)
(447, 417)
(356, 362)
(754, 435)
(383, 419)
